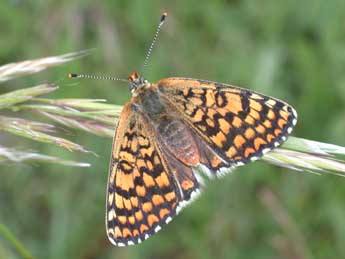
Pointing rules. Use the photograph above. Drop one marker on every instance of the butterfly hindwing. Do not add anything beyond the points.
(144, 190)
(239, 125)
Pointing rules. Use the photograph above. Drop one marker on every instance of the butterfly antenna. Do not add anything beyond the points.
(155, 37)
(70, 75)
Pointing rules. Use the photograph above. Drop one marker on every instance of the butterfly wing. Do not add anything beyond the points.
(237, 124)
(148, 185)
(144, 190)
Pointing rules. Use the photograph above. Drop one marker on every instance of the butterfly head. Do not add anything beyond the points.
(137, 83)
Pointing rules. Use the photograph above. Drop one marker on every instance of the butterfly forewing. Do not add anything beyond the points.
(238, 124)
(144, 192)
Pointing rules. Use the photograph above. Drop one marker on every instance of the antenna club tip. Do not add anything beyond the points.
(164, 15)
(70, 75)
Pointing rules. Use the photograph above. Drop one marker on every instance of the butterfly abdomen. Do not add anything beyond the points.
(177, 138)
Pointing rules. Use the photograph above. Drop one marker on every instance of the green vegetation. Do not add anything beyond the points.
(291, 50)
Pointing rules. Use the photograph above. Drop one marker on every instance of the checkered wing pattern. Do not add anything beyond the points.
(237, 124)
(144, 192)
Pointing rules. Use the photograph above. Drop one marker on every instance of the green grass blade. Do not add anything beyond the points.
(27, 67)
(23, 95)
(312, 156)
(36, 131)
(24, 253)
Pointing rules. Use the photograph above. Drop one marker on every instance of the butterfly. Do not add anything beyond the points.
(175, 133)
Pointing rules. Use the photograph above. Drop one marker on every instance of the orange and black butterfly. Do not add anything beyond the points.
(172, 134)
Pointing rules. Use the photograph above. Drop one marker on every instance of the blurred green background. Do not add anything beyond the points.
(293, 50)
